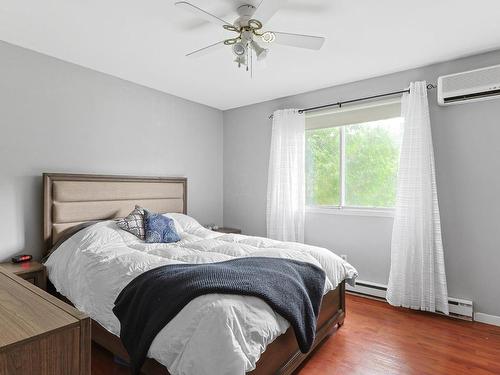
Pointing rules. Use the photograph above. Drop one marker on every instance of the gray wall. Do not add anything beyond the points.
(467, 151)
(59, 117)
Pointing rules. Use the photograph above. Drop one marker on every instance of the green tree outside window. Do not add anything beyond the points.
(371, 158)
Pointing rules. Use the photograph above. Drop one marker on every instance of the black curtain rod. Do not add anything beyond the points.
(430, 86)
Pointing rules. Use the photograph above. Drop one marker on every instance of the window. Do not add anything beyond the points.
(352, 156)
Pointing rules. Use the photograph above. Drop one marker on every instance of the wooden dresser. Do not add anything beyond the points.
(39, 334)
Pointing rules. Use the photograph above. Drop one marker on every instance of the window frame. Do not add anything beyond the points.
(342, 208)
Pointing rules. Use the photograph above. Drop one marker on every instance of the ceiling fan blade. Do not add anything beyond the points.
(206, 50)
(267, 9)
(201, 13)
(299, 40)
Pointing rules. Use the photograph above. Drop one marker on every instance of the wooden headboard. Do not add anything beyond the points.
(71, 199)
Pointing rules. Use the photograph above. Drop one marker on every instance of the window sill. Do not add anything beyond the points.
(351, 211)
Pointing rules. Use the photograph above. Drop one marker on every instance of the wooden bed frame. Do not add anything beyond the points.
(70, 199)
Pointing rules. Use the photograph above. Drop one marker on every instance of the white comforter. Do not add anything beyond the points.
(214, 334)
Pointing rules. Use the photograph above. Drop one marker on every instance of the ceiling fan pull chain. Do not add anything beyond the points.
(249, 57)
(251, 63)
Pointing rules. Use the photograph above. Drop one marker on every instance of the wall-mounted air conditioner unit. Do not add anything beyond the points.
(471, 86)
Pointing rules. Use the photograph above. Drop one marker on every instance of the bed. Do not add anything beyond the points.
(81, 271)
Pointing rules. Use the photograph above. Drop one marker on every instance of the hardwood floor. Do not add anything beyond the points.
(379, 339)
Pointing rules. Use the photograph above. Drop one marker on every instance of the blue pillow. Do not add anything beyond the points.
(159, 228)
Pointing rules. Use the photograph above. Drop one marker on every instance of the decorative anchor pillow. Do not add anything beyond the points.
(159, 228)
(134, 223)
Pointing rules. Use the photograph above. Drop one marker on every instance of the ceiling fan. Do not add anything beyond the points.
(249, 32)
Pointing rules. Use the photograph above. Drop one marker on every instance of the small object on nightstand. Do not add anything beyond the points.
(21, 258)
(31, 271)
(227, 230)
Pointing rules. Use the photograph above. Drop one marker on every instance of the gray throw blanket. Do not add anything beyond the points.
(291, 288)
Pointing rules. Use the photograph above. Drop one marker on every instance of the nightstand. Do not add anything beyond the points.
(31, 271)
(227, 230)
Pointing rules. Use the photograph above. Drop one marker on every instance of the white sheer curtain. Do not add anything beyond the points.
(286, 179)
(417, 278)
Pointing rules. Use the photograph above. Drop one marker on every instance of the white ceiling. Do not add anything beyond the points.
(145, 41)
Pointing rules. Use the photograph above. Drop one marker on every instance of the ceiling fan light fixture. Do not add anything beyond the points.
(239, 49)
(268, 37)
(241, 60)
(260, 52)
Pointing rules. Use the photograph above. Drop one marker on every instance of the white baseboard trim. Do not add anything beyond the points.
(459, 308)
(368, 288)
(486, 318)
